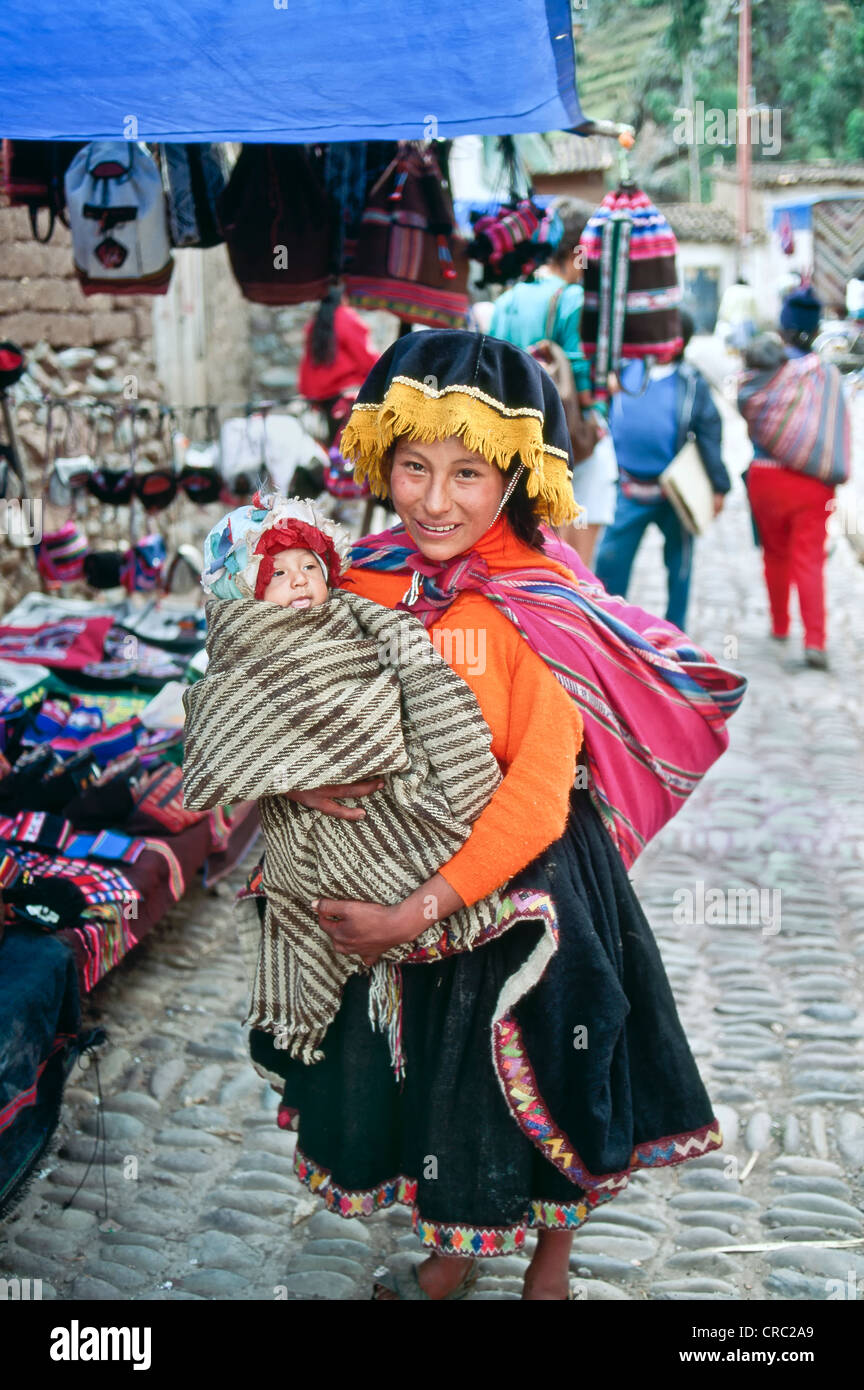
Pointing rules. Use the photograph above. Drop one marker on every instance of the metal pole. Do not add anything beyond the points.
(744, 103)
(693, 152)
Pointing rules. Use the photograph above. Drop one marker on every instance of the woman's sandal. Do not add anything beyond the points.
(406, 1286)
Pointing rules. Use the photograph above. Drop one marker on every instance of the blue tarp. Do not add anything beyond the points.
(284, 70)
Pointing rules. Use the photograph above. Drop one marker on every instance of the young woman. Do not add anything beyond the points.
(546, 1063)
(337, 353)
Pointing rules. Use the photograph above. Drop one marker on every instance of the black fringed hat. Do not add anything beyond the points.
(497, 398)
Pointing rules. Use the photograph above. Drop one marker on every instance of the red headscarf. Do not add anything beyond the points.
(289, 535)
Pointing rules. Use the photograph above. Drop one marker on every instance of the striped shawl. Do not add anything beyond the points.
(322, 697)
(654, 705)
(797, 415)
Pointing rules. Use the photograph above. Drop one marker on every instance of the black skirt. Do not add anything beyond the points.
(541, 1067)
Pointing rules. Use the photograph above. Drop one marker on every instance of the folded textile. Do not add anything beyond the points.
(109, 799)
(165, 710)
(19, 680)
(69, 645)
(126, 658)
(35, 609)
(55, 891)
(159, 803)
(40, 780)
(82, 728)
(102, 933)
(324, 696)
(40, 830)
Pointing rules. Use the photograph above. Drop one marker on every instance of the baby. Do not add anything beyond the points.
(308, 686)
(299, 580)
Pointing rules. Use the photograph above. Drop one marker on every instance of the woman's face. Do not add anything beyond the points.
(446, 496)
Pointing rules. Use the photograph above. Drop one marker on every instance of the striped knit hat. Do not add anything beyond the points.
(60, 555)
(631, 285)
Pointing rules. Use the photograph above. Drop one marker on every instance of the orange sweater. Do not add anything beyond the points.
(536, 728)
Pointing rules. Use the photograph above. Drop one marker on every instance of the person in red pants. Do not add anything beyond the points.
(791, 514)
(796, 416)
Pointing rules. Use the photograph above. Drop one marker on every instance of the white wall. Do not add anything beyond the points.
(707, 253)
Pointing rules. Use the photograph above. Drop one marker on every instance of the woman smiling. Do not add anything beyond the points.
(549, 1061)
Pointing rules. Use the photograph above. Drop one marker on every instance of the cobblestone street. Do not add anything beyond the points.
(201, 1195)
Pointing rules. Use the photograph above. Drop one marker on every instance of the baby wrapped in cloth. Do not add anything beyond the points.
(300, 695)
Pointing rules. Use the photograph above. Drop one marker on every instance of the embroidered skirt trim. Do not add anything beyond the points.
(444, 1237)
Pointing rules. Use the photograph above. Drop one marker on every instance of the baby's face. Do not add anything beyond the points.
(297, 582)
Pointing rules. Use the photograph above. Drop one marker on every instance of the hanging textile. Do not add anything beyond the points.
(408, 259)
(279, 223)
(631, 284)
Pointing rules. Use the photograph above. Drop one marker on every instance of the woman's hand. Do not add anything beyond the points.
(370, 929)
(324, 798)
(362, 929)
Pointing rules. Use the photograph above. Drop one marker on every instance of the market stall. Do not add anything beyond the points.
(95, 842)
(151, 140)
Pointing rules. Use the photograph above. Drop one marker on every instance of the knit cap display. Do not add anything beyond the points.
(631, 285)
(143, 564)
(60, 555)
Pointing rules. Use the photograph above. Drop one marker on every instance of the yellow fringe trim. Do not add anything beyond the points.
(418, 412)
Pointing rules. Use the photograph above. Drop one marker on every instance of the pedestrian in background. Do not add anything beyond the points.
(550, 307)
(797, 419)
(648, 430)
(736, 316)
(337, 354)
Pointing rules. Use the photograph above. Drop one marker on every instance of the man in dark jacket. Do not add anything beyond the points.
(648, 430)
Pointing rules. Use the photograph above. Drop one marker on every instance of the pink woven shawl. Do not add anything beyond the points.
(654, 706)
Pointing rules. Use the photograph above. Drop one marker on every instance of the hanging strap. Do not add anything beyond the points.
(552, 313)
(689, 401)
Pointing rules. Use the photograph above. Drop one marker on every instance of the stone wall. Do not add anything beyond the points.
(86, 350)
(41, 301)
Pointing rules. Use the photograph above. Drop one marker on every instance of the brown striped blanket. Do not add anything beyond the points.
(324, 696)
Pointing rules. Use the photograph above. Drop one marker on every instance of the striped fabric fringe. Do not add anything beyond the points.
(409, 300)
(176, 881)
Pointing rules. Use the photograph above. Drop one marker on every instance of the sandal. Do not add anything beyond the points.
(406, 1286)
